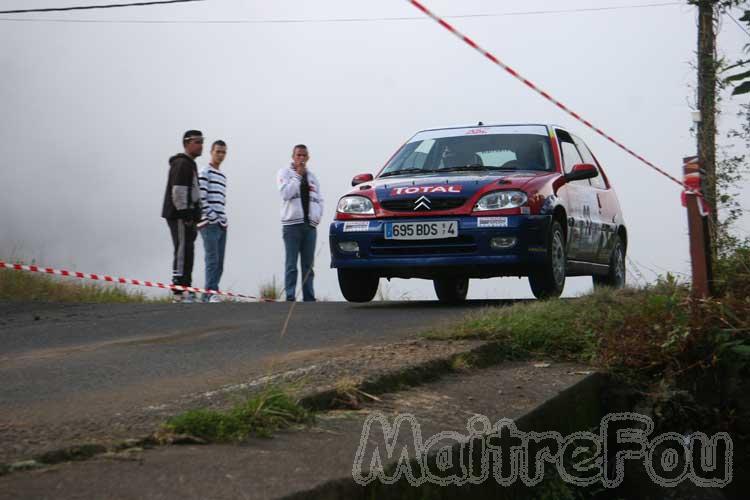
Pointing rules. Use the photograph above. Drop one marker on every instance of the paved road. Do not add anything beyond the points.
(59, 360)
(293, 463)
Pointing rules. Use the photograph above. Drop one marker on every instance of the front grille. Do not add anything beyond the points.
(408, 204)
(447, 246)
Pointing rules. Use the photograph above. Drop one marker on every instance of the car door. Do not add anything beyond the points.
(582, 205)
(607, 208)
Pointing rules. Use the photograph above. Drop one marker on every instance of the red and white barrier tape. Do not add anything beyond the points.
(124, 281)
(541, 92)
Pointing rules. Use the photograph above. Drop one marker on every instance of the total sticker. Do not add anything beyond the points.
(356, 226)
(492, 222)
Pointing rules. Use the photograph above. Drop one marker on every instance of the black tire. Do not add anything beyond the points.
(548, 280)
(451, 290)
(358, 286)
(615, 277)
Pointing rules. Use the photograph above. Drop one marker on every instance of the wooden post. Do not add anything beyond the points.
(697, 230)
(706, 90)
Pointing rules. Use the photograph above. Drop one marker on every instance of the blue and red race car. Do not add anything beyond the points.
(481, 202)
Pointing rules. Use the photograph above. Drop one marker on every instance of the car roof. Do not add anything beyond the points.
(445, 132)
(490, 125)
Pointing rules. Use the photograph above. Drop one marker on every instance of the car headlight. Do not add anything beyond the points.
(355, 205)
(500, 200)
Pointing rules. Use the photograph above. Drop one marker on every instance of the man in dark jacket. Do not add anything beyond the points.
(182, 209)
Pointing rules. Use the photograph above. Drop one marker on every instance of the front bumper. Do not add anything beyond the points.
(470, 254)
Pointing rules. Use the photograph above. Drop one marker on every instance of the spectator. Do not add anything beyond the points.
(213, 224)
(301, 210)
(182, 209)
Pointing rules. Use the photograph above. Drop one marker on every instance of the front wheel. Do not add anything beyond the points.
(615, 277)
(358, 286)
(548, 280)
(451, 290)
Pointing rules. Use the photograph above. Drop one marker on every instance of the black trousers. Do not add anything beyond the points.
(183, 238)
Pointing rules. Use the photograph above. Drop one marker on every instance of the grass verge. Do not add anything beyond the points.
(21, 286)
(639, 334)
(262, 415)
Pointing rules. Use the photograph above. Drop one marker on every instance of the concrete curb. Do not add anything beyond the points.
(577, 408)
(482, 356)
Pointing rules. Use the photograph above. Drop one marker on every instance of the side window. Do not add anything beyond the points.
(598, 181)
(570, 155)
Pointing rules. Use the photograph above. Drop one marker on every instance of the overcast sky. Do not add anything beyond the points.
(91, 113)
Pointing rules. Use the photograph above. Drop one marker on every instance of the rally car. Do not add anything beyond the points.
(480, 202)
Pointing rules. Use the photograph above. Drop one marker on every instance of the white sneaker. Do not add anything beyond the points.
(215, 299)
(188, 298)
(177, 298)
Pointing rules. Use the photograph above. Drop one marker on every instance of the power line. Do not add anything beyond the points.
(91, 7)
(344, 20)
(737, 23)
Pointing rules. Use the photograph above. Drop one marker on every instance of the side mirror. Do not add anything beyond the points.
(581, 172)
(359, 179)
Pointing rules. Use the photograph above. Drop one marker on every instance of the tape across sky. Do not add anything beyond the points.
(471, 43)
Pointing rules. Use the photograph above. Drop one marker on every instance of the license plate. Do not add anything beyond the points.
(421, 230)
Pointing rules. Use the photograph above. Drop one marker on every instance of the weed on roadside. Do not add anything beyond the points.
(261, 415)
(270, 290)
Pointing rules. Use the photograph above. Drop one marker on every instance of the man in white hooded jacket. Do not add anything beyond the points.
(301, 210)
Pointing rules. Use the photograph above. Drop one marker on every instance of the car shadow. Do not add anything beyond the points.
(434, 304)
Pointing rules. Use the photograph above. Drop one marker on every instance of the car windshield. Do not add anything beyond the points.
(486, 152)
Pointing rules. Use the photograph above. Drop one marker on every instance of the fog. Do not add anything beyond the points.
(91, 112)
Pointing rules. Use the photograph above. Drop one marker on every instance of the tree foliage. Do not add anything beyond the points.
(732, 164)
(741, 80)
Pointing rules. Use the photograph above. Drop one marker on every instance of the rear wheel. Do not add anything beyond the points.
(358, 286)
(451, 290)
(615, 278)
(548, 280)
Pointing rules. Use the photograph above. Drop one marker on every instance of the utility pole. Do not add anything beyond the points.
(706, 129)
(706, 126)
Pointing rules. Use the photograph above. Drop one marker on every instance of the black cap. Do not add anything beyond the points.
(192, 134)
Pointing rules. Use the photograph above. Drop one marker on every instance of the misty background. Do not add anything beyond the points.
(92, 110)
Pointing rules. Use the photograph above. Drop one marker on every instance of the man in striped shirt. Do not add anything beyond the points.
(213, 224)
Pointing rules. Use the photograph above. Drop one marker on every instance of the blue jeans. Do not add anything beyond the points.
(299, 241)
(214, 242)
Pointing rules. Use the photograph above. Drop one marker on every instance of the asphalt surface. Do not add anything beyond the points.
(318, 462)
(58, 361)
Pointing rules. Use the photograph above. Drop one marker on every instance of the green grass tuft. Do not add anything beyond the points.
(271, 290)
(269, 411)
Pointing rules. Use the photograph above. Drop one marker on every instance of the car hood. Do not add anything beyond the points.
(463, 185)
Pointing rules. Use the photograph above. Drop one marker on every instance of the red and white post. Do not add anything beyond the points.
(697, 212)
